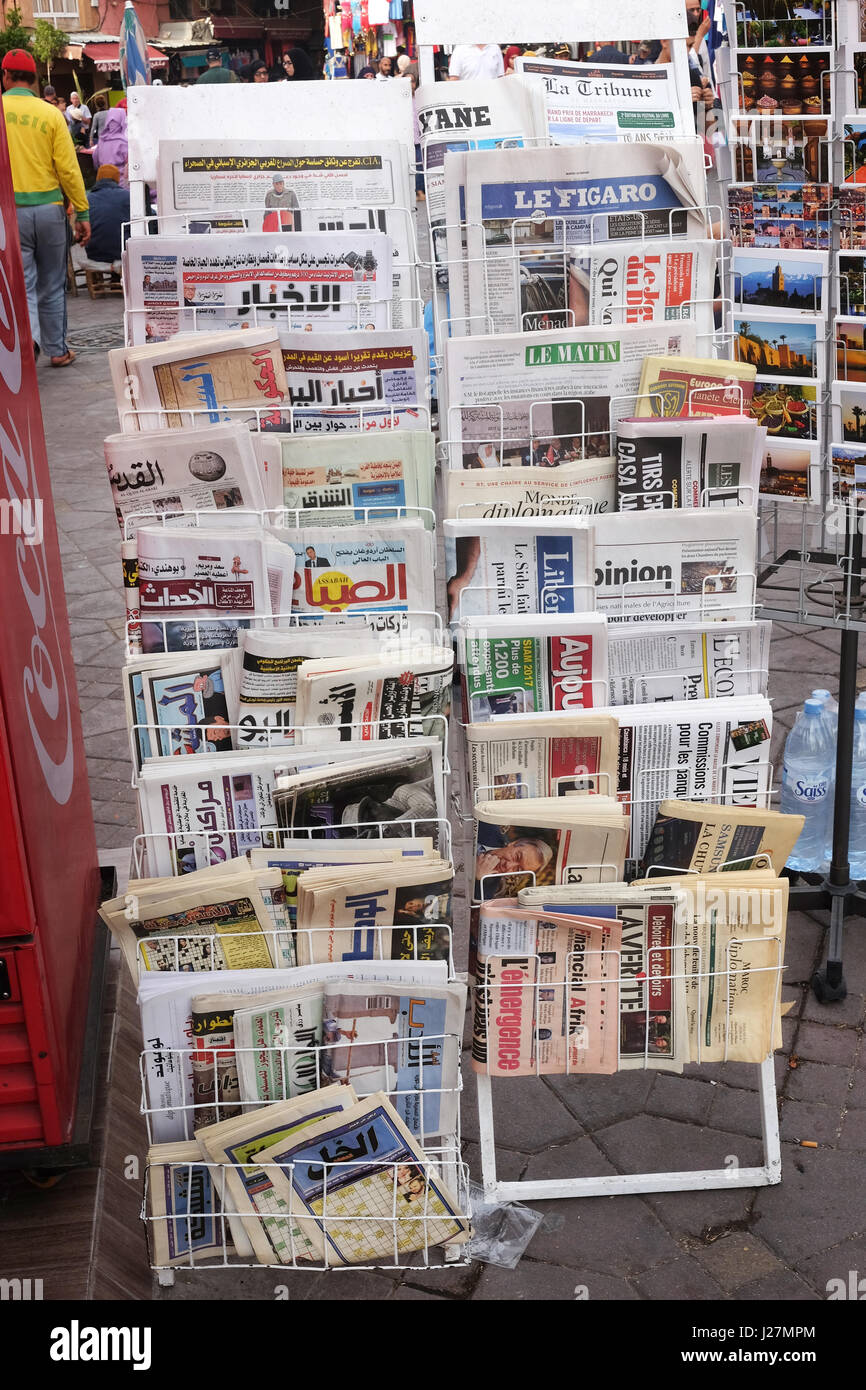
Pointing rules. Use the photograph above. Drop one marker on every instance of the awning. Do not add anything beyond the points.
(106, 56)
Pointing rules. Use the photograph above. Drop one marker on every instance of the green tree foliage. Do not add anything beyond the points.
(48, 43)
(14, 35)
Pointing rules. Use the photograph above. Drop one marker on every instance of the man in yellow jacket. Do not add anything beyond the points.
(45, 173)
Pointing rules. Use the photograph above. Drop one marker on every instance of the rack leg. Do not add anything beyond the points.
(829, 983)
(165, 1278)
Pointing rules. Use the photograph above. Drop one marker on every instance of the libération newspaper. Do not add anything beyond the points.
(546, 398)
(240, 280)
(293, 186)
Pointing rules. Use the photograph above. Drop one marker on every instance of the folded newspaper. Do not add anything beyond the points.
(686, 661)
(550, 397)
(400, 910)
(569, 489)
(349, 382)
(356, 480)
(180, 704)
(514, 758)
(203, 284)
(185, 1221)
(342, 698)
(511, 665)
(387, 793)
(688, 566)
(587, 101)
(545, 999)
(696, 838)
(160, 473)
(560, 839)
(191, 381)
(672, 388)
(276, 185)
(693, 463)
(511, 565)
(382, 567)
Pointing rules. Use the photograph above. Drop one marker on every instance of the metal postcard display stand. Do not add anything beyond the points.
(812, 552)
(449, 22)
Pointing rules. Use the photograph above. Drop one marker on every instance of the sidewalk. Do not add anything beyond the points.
(773, 1243)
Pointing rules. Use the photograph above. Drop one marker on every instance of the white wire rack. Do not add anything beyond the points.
(708, 987)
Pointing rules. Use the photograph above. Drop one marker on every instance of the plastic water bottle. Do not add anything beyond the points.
(857, 834)
(807, 785)
(831, 707)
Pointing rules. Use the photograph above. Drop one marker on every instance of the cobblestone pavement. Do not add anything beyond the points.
(772, 1243)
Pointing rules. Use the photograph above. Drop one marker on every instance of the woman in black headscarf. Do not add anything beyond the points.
(297, 66)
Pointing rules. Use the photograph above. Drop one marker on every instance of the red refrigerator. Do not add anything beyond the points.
(49, 879)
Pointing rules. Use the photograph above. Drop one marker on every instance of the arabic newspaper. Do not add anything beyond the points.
(165, 998)
(354, 480)
(309, 186)
(513, 566)
(571, 196)
(672, 661)
(268, 678)
(346, 699)
(546, 398)
(278, 1039)
(695, 565)
(192, 697)
(185, 1212)
(192, 381)
(343, 383)
(157, 473)
(376, 1168)
(338, 572)
(267, 1220)
(387, 793)
(510, 665)
(545, 993)
(325, 280)
(585, 102)
(401, 911)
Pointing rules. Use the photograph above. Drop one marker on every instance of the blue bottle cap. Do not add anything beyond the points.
(860, 713)
(812, 708)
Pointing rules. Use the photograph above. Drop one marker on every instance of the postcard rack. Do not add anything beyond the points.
(811, 551)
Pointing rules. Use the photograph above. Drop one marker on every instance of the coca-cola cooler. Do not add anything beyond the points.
(49, 878)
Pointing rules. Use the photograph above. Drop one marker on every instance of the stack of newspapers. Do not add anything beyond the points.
(304, 595)
(288, 688)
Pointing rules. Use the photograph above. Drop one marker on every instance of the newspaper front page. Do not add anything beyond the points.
(571, 196)
(343, 383)
(583, 101)
(514, 566)
(510, 665)
(669, 661)
(513, 758)
(547, 398)
(293, 186)
(326, 281)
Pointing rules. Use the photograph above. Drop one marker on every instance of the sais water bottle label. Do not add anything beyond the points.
(809, 792)
(860, 796)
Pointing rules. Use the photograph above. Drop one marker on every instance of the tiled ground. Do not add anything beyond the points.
(783, 1242)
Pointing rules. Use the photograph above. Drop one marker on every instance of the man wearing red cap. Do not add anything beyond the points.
(45, 173)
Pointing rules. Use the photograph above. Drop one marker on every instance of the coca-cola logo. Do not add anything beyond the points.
(43, 678)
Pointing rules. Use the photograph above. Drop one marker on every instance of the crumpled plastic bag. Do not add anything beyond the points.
(501, 1230)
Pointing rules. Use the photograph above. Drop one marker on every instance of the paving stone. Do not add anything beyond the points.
(680, 1098)
(803, 1120)
(854, 1131)
(509, 1164)
(114, 837)
(103, 790)
(358, 1285)
(803, 943)
(816, 1081)
(847, 1010)
(857, 1093)
(87, 645)
(838, 1262)
(405, 1292)
(455, 1281)
(736, 1111)
(737, 1259)
(779, 1288)
(682, 1279)
(601, 1100)
(820, 1202)
(535, 1282)
(527, 1115)
(109, 745)
(827, 1043)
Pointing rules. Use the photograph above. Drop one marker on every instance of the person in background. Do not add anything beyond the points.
(405, 66)
(470, 60)
(643, 57)
(61, 106)
(606, 51)
(512, 51)
(256, 72)
(112, 146)
(100, 116)
(384, 73)
(298, 67)
(109, 209)
(78, 119)
(368, 73)
(45, 174)
(215, 72)
(49, 95)
(420, 194)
